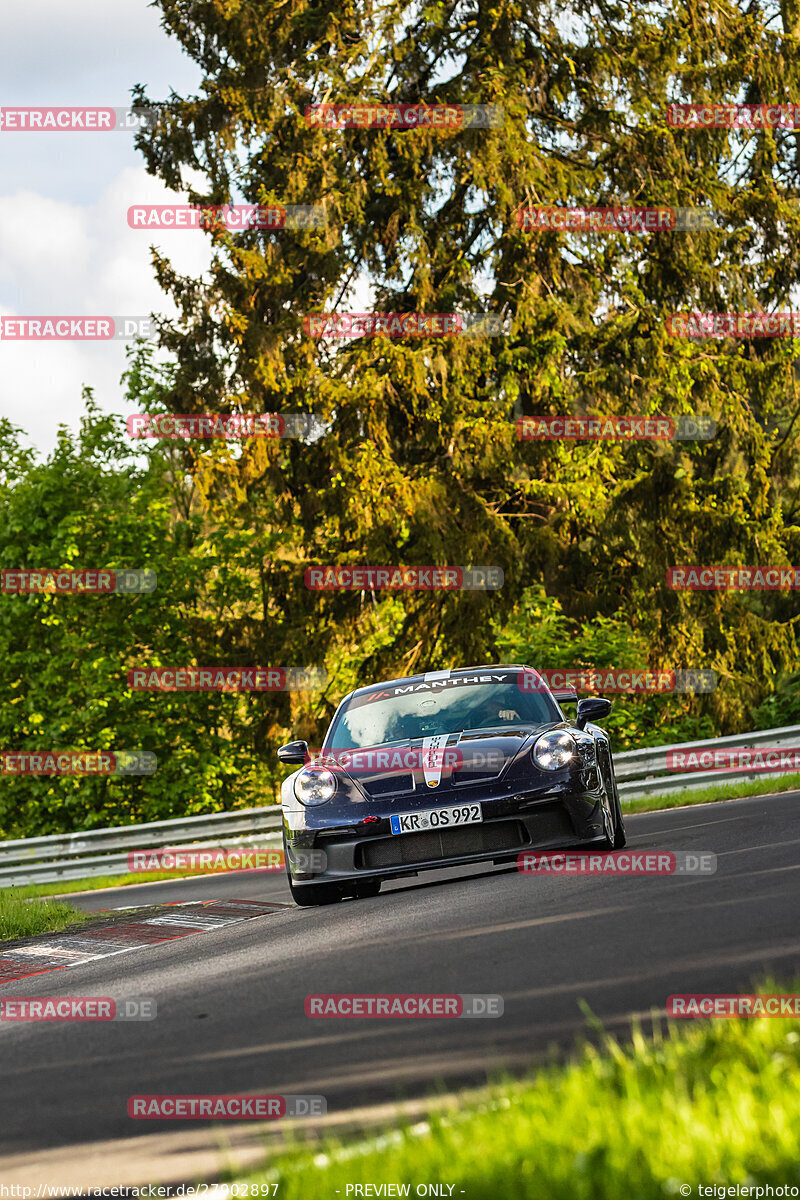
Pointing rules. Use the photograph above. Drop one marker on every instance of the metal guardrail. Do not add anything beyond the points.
(100, 851)
(104, 851)
(643, 772)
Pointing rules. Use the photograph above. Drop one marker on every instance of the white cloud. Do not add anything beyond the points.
(63, 259)
(50, 48)
(85, 52)
(65, 246)
(38, 235)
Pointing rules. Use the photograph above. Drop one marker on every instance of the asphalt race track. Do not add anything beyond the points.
(230, 1001)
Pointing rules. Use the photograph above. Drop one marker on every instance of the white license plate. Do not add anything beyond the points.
(437, 818)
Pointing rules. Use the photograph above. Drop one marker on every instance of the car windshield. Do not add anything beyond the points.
(401, 712)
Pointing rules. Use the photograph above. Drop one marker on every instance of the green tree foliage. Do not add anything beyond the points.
(539, 633)
(64, 659)
(421, 463)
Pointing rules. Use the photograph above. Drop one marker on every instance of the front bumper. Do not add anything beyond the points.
(360, 851)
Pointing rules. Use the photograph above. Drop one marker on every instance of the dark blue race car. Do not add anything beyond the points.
(441, 769)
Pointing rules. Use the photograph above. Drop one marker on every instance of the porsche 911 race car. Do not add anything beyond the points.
(443, 769)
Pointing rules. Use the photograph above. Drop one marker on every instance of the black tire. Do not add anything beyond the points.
(608, 840)
(620, 834)
(617, 838)
(314, 894)
(370, 887)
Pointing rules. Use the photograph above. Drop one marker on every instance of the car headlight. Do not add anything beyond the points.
(314, 787)
(553, 750)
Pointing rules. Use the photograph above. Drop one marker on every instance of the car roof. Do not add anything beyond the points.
(442, 674)
(427, 676)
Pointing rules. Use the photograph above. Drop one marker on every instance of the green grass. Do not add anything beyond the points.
(719, 791)
(700, 1102)
(22, 917)
(95, 883)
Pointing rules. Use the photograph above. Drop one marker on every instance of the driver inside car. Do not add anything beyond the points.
(489, 714)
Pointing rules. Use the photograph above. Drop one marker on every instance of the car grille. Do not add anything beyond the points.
(388, 785)
(478, 766)
(467, 778)
(408, 848)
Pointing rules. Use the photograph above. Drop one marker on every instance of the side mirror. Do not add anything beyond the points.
(293, 752)
(592, 709)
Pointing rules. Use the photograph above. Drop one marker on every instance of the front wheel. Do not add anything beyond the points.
(615, 835)
(314, 894)
(620, 836)
(370, 887)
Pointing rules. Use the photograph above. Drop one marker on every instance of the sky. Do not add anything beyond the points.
(65, 245)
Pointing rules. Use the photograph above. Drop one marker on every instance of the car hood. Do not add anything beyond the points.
(458, 761)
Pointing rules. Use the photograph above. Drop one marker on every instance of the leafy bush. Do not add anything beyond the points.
(540, 635)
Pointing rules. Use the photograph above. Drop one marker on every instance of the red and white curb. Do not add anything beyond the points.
(117, 935)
